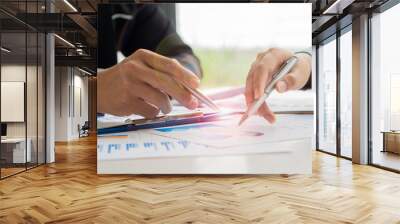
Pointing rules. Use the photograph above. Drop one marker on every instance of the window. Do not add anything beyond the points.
(13, 148)
(394, 101)
(23, 89)
(346, 93)
(327, 96)
(385, 89)
(235, 38)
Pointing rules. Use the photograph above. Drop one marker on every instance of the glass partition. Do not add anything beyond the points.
(13, 105)
(385, 89)
(346, 93)
(327, 96)
(22, 89)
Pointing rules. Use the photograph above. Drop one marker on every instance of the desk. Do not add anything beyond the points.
(391, 141)
(217, 147)
(13, 150)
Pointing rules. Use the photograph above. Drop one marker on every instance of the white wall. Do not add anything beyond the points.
(70, 84)
(61, 103)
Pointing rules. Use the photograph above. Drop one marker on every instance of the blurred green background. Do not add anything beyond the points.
(224, 67)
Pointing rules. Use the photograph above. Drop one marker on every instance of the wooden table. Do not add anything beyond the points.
(391, 141)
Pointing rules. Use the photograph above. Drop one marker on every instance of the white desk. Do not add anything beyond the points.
(18, 149)
(254, 148)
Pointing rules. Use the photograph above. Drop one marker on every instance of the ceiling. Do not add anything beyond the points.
(331, 15)
(74, 24)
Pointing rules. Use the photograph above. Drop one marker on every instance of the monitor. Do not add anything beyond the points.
(3, 129)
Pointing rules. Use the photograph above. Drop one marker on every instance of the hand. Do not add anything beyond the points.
(142, 83)
(262, 70)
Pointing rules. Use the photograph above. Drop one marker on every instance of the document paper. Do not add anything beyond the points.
(218, 138)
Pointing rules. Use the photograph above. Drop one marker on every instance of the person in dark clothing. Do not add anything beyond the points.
(156, 56)
(130, 27)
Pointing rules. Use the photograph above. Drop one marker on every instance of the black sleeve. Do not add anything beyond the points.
(151, 29)
(106, 50)
(307, 85)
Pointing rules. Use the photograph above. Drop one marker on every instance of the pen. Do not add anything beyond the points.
(200, 96)
(283, 70)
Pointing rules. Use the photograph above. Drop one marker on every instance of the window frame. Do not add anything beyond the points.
(381, 9)
(334, 37)
(27, 29)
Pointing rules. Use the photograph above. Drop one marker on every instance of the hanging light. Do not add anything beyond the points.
(5, 50)
(70, 6)
(64, 40)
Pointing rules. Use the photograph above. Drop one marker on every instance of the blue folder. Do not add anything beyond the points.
(166, 123)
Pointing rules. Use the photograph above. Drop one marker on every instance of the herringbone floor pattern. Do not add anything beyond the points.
(70, 191)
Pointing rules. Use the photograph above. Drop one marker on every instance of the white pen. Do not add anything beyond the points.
(200, 96)
(283, 70)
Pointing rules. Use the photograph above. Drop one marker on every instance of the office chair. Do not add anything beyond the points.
(84, 130)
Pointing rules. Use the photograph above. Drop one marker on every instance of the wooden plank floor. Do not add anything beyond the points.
(70, 191)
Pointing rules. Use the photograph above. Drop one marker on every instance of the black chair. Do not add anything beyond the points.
(84, 130)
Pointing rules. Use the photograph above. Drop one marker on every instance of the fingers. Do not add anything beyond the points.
(264, 110)
(153, 96)
(141, 85)
(140, 107)
(261, 77)
(127, 107)
(262, 70)
(266, 113)
(248, 92)
(266, 65)
(281, 86)
(166, 84)
(298, 77)
(286, 83)
(169, 66)
(162, 82)
(269, 62)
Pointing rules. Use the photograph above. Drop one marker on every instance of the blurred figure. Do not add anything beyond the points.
(155, 55)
